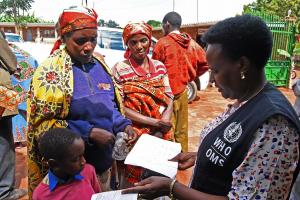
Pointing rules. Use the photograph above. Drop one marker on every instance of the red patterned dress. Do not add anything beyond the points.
(146, 93)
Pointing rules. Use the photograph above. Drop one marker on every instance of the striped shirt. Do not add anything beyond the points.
(123, 71)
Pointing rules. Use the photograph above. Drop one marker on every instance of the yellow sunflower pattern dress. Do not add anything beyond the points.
(48, 105)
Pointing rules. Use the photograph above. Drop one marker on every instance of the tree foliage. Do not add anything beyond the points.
(23, 19)
(15, 8)
(101, 22)
(17, 11)
(276, 7)
(154, 23)
(110, 23)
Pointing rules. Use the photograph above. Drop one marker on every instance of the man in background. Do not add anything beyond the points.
(185, 61)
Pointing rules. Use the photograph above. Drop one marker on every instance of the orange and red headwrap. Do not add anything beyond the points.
(136, 28)
(133, 29)
(76, 18)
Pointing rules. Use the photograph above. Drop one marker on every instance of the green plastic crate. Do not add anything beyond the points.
(278, 72)
(283, 31)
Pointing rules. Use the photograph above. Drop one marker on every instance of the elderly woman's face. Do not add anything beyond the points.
(224, 72)
(81, 44)
(139, 45)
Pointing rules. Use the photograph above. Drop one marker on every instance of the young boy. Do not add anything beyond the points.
(69, 177)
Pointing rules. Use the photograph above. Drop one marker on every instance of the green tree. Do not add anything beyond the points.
(15, 9)
(101, 22)
(24, 19)
(276, 7)
(154, 23)
(112, 24)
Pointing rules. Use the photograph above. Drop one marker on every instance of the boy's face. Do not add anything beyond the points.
(74, 161)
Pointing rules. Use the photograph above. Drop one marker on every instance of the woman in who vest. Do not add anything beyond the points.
(250, 151)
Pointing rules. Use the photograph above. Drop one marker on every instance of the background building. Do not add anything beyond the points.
(31, 31)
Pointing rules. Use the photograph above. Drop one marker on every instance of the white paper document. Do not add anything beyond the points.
(114, 195)
(154, 153)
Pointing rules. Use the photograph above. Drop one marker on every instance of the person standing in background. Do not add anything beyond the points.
(185, 60)
(8, 108)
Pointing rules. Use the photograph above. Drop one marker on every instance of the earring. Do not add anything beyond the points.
(242, 75)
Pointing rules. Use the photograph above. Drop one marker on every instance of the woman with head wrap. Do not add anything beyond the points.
(73, 88)
(145, 89)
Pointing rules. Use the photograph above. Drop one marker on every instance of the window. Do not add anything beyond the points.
(110, 40)
(46, 33)
(13, 38)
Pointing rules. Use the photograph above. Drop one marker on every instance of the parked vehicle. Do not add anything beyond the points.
(200, 83)
(13, 38)
(40, 51)
(111, 45)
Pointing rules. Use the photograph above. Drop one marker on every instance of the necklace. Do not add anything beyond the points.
(252, 96)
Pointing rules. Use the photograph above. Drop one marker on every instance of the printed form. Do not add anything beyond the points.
(114, 195)
(154, 153)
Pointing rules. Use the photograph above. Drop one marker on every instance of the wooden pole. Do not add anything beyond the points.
(197, 12)
(173, 5)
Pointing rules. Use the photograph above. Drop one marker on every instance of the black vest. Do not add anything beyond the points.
(225, 147)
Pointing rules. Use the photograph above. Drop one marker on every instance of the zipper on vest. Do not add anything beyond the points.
(88, 79)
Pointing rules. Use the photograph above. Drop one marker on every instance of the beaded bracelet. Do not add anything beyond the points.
(171, 188)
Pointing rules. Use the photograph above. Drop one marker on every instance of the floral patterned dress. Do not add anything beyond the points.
(267, 170)
(21, 82)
